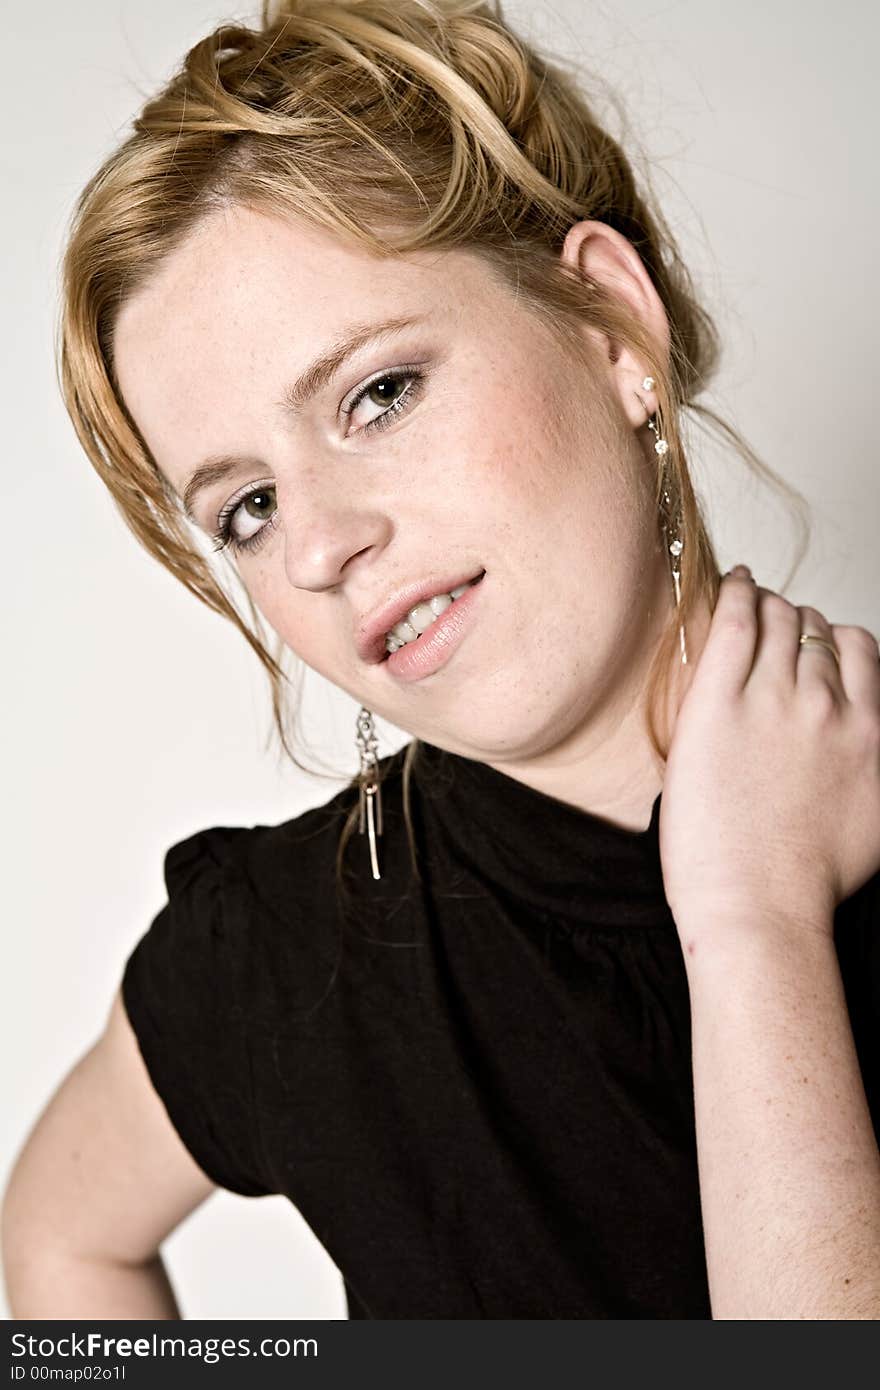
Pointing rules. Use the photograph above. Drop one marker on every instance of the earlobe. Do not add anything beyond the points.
(604, 256)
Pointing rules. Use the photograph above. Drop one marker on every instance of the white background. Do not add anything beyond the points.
(133, 716)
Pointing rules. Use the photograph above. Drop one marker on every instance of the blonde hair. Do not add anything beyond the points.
(417, 123)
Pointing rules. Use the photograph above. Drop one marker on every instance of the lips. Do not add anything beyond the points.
(370, 635)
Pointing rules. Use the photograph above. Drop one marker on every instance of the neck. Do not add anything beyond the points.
(609, 767)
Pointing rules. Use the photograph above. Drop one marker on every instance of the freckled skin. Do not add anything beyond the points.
(515, 458)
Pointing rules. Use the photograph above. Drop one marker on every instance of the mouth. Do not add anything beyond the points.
(422, 620)
(423, 655)
(408, 614)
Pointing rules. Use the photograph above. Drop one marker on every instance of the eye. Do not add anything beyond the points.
(384, 391)
(254, 504)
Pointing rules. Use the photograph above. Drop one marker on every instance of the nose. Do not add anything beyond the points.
(324, 527)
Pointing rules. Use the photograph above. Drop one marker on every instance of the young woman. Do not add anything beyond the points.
(584, 1022)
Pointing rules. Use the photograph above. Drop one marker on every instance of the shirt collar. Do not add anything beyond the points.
(535, 849)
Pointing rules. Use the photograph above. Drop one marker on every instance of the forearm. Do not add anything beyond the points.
(789, 1167)
(48, 1284)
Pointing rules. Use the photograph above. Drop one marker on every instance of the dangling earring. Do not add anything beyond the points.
(676, 545)
(370, 791)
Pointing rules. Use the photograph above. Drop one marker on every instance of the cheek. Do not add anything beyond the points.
(277, 602)
(559, 445)
(520, 448)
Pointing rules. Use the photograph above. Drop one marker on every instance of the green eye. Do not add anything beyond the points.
(409, 377)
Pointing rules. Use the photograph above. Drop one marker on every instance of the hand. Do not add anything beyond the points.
(771, 797)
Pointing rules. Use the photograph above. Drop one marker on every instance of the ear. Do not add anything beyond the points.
(600, 252)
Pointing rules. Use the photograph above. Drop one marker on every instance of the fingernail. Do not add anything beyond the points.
(740, 571)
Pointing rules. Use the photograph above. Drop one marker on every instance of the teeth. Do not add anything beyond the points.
(421, 617)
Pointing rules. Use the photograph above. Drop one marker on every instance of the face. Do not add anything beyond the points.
(469, 439)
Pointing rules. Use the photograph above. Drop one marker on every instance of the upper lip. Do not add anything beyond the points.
(371, 632)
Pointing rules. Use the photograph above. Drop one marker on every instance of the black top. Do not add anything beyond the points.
(476, 1089)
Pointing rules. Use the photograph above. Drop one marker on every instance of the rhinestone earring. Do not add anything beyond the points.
(676, 545)
(370, 791)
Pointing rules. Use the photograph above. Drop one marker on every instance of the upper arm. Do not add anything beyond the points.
(103, 1173)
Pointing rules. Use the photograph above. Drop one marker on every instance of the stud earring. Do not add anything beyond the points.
(676, 545)
(370, 791)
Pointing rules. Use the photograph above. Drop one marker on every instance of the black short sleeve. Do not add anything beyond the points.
(857, 939)
(185, 987)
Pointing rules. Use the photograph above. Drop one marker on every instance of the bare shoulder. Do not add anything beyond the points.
(103, 1173)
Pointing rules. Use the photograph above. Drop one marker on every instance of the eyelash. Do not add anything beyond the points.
(223, 537)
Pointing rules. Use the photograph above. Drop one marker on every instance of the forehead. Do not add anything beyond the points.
(241, 276)
(246, 302)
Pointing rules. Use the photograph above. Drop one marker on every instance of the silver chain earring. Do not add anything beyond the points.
(676, 545)
(370, 790)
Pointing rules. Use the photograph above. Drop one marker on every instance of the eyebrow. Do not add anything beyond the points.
(308, 384)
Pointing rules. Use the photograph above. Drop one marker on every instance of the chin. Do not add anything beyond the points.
(520, 727)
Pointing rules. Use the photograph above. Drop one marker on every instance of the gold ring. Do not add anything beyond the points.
(806, 637)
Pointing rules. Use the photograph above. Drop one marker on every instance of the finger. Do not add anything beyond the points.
(859, 664)
(729, 648)
(815, 663)
(777, 645)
